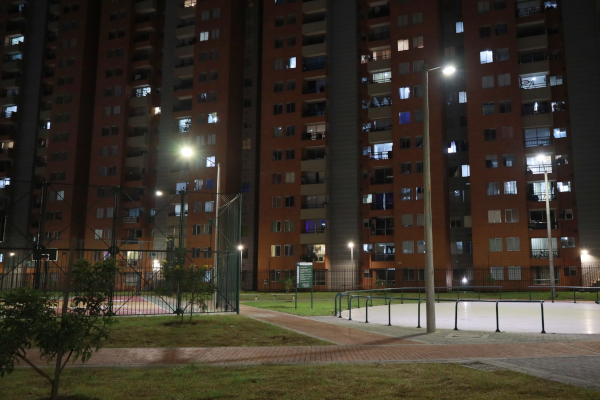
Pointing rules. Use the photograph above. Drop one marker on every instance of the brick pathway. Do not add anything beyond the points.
(548, 359)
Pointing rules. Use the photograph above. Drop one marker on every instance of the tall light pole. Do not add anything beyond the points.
(541, 158)
(351, 247)
(429, 270)
(241, 250)
(188, 152)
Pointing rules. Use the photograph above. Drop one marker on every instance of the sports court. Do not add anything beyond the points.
(559, 317)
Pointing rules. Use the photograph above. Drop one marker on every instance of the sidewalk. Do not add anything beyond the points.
(571, 359)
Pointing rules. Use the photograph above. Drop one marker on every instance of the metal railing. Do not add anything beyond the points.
(538, 169)
(498, 301)
(569, 288)
(544, 253)
(313, 136)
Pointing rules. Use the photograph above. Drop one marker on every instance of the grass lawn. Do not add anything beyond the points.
(336, 381)
(209, 331)
(323, 302)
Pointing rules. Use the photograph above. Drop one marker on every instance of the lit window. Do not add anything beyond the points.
(212, 118)
(210, 161)
(402, 44)
(460, 27)
(203, 36)
(486, 56)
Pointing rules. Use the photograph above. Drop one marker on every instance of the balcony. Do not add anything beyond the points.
(539, 225)
(379, 12)
(313, 66)
(186, 12)
(185, 31)
(382, 155)
(532, 42)
(382, 63)
(314, 28)
(379, 36)
(534, 63)
(538, 169)
(136, 160)
(131, 220)
(11, 83)
(313, 188)
(139, 120)
(317, 211)
(382, 231)
(138, 140)
(12, 49)
(45, 115)
(537, 120)
(314, 6)
(145, 6)
(313, 165)
(379, 87)
(55, 9)
(540, 196)
(313, 113)
(523, 12)
(539, 141)
(12, 66)
(313, 237)
(383, 257)
(184, 70)
(8, 117)
(11, 99)
(380, 112)
(313, 50)
(140, 101)
(18, 12)
(381, 136)
(535, 93)
(313, 136)
(544, 253)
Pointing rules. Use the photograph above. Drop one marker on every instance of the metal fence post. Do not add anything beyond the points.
(542, 305)
(456, 316)
(497, 323)
(419, 315)
(367, 310)
(390, 313)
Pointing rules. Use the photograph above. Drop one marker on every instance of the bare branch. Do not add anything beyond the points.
(39, 371)
(66, 361)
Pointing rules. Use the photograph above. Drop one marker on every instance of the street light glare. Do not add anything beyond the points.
(240, 247)
(187, 152)
(351, 245)
(541, 157)
(159, 193)
(449, 70)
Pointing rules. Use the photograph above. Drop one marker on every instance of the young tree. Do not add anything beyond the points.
(191, 282)
(29, 319)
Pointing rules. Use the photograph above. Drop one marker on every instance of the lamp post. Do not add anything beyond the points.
(429, 270)
(541, 158)
(351, 247)
(188, 152)
(240, 249)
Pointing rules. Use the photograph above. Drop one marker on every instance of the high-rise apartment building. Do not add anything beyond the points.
(342, 138)
(313, 110)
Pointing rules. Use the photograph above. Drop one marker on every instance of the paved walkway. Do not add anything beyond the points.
(566, 358)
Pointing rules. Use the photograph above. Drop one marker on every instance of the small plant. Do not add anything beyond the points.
(287, 283)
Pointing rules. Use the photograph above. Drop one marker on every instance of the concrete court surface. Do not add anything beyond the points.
(559, 317)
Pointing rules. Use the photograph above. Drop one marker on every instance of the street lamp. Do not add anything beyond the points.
(429, 281)
(351, 247)
(541, 158)
(187, 152)
(240, 248)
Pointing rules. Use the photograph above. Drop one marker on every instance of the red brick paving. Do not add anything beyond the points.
(353, 346)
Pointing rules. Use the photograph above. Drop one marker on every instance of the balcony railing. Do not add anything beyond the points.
(541, 197)
(381, 155)
(545, 141)
(544, 253)
(378, 12)
(379, 36)
(381, 181)
(314, 230)
(536, 225)
(535, 56)
(380, 80)
(131, 220)
(313, 113)
(313, 66)
(140, 57)
(538, 169)
(528, 11)
(383, 257)
(382, 231)
(311, 206)
(313, 136)
(306, 181)
(183, 86)
(315, 89)
(183, 43)
(382, 206)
